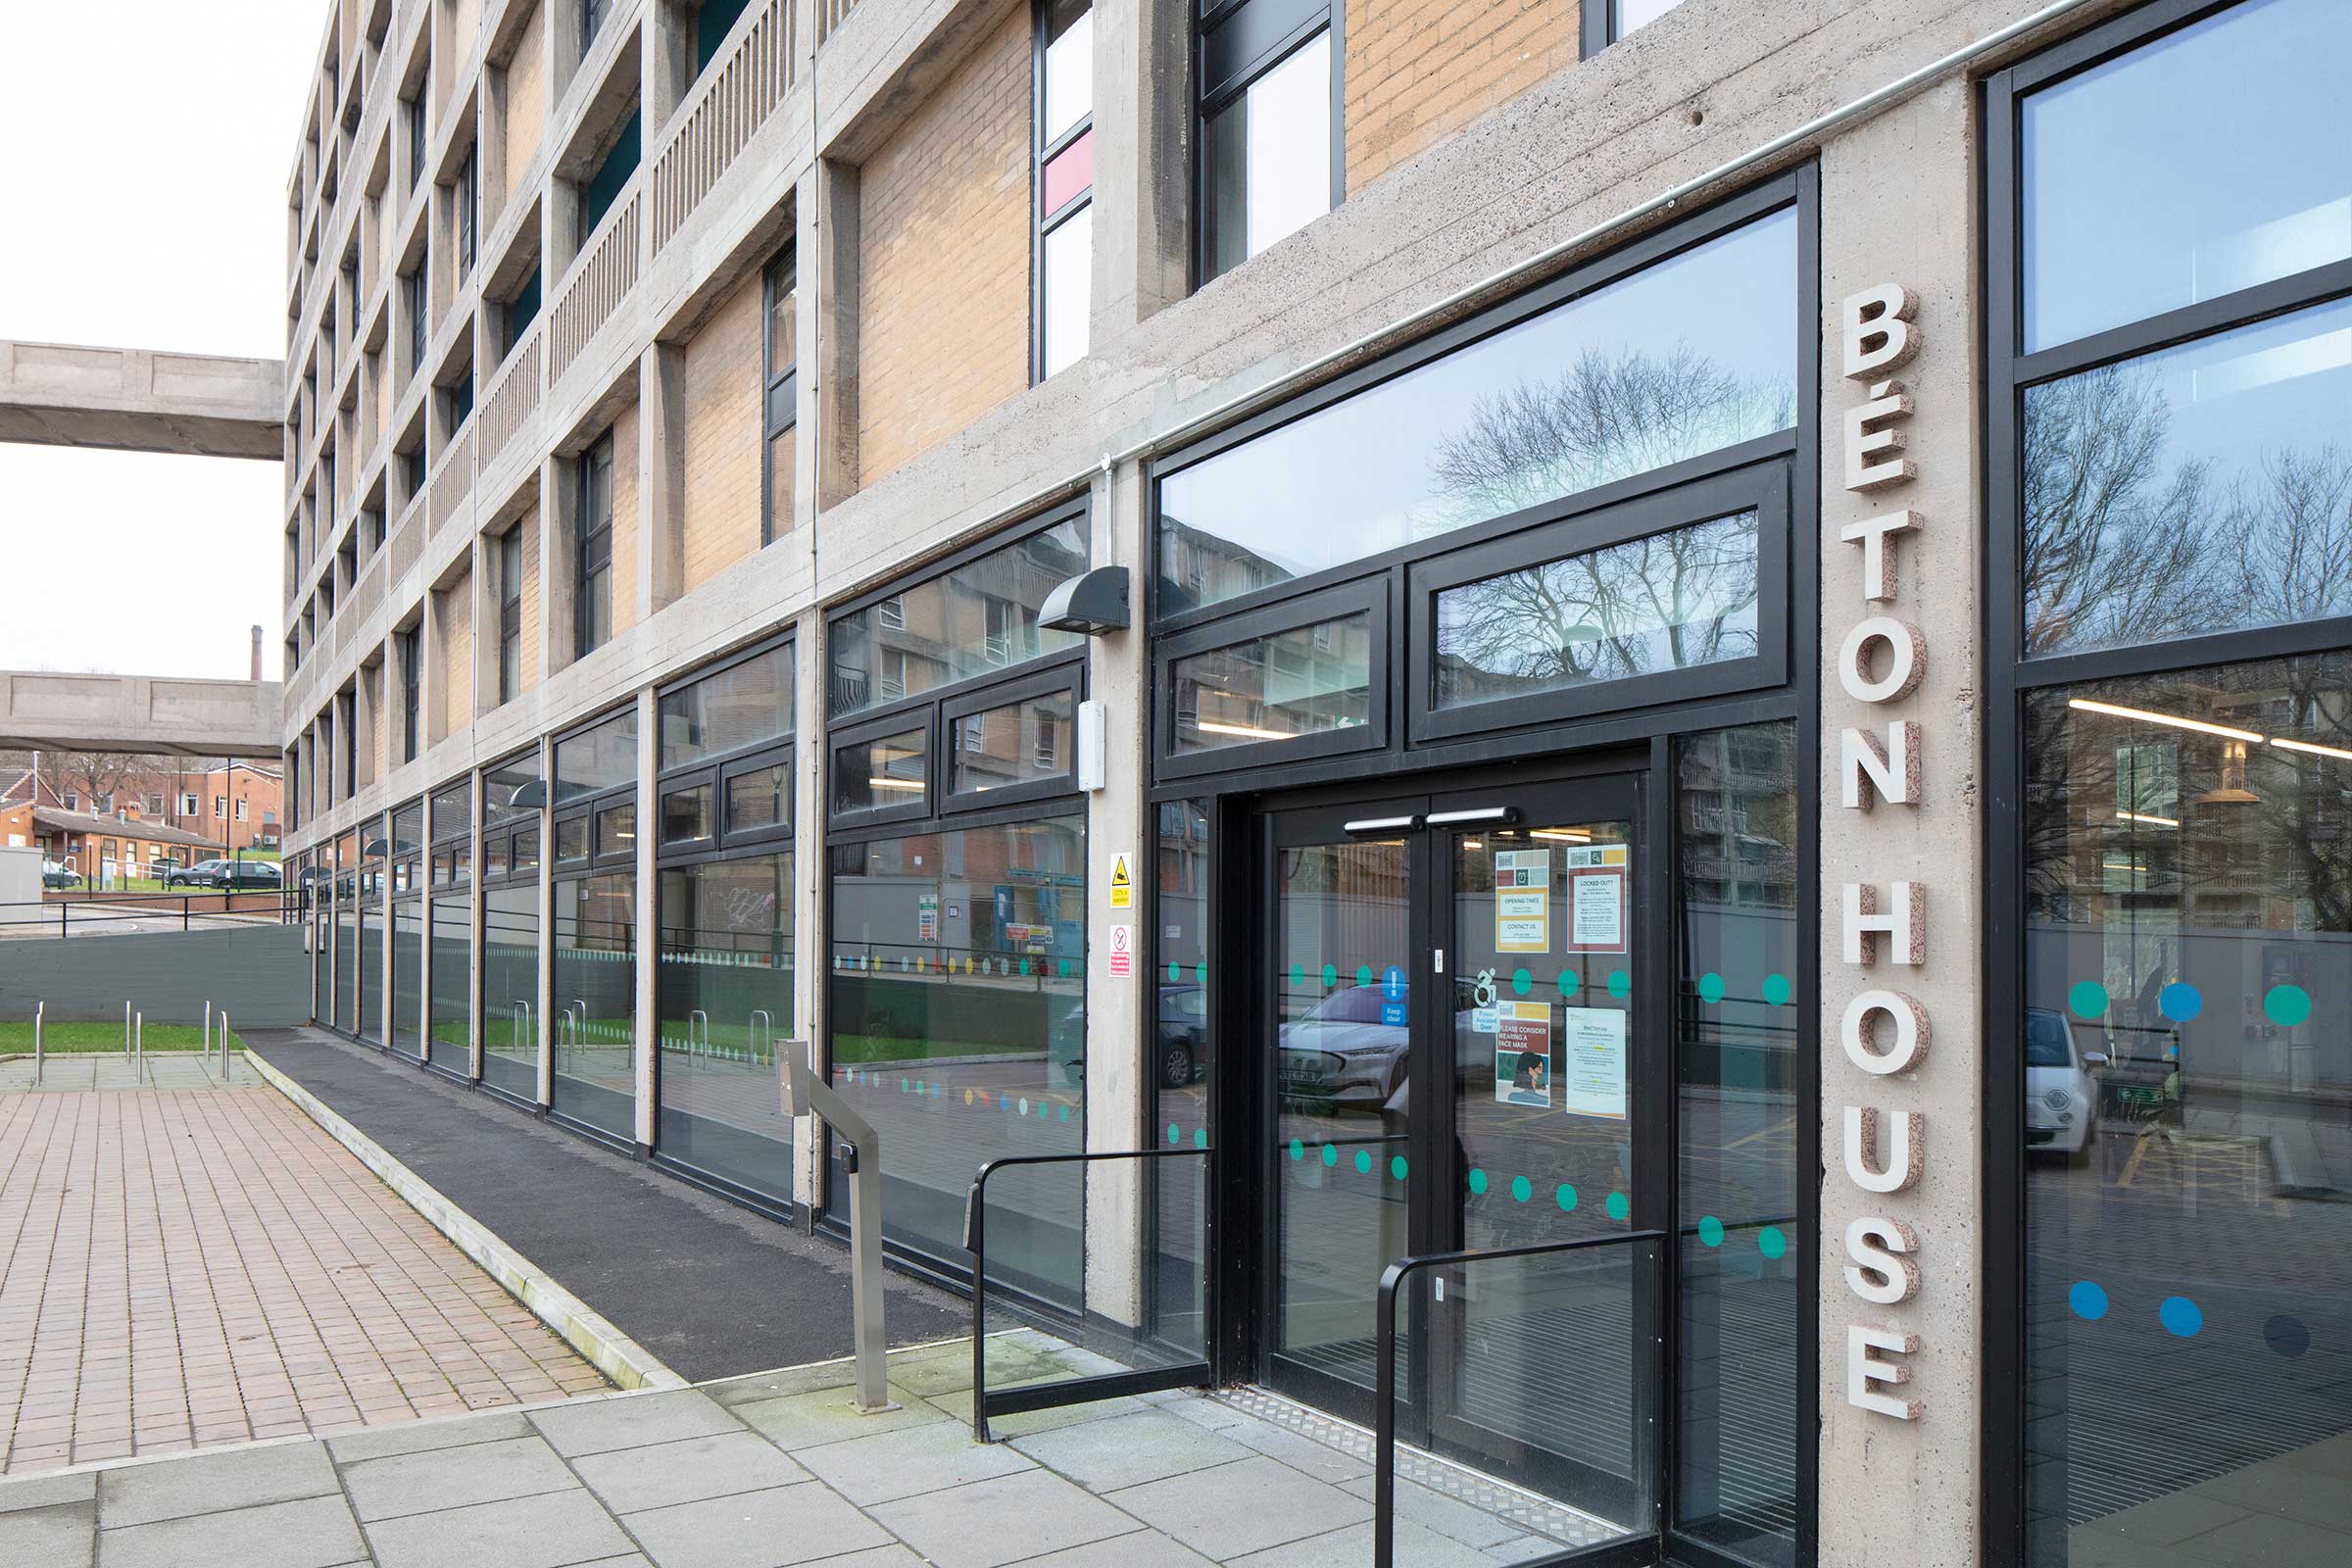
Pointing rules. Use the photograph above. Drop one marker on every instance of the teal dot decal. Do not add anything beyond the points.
(2286, 1006)
(2180, 1001)
(1522, 1189)
(1478, 1182)
(1710, 1230)
(1200, 973)
(1617, 1206)
(1777, 990)
(1363, 974)
(1771, 1243)
(1330, 975)
(1200, 1138)
(1710, 988)
(1363, 1162)
(1175, 970)
(2087, 999)
(1298, 1149)
(1565, 1197)
(1297, 977)
(1064, 1114)
(1522, 982)
(1396, 1166)
(1174, 1132)
(1065, 968)
(1621, 984)
(1569, 981)
(1331, 1154)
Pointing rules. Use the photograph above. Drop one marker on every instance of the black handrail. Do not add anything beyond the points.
(1384, 1414)
(975, 1242)
(103, 908)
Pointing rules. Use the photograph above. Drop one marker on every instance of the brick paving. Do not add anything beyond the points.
(182, 1267)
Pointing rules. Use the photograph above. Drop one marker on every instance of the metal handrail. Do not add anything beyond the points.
(103, 907)
(1384, 1406)
(975, 1242)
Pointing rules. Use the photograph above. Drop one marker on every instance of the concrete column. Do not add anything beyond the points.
(490, 147)
(547, 924)
(649, 930)
(812, 942)
(829, 282)
(668, 50)
(1143, 181)
(1898, 207)
(565, 48)
(661, 478)
(559, 562)
(1118, 1086)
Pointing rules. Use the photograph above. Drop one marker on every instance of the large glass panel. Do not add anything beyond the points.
(2205, 162)
(726, 1000)
(1303, 681)
(1020, 743)
(1070, 250)
(977, 619)
(502, 783)
(453, 978)
(2188, 844)
(407, 828)
(603, 759)
(759, 798)
(510, 989)
(1183, 1045)
(1341, 1045)
(371, 949)
(1588, 392)
(887, 770)
(1269, 158)
(737, 707)
(2199, 489)
(1069, 65)
(347, 936)
(594, 1010)
(1736, 1039)
(1627, 15)
(959, 1027)
(453, 811)
(616, 829)
(408, 976)
(686, 816)
(1673, 601)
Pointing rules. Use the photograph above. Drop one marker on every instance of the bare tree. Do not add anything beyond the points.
(95, 776)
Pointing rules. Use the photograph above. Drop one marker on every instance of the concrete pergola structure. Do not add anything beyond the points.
(140, 400)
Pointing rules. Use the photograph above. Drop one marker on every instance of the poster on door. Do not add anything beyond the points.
(1596, 884)
(1592, 1061)
(1523, 901)
(1523, 1053)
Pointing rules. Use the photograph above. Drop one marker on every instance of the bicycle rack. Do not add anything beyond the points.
(519, 1025)
(689, 1036)
(754, 1034)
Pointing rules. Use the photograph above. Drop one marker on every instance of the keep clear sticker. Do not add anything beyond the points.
(1597, 879)
(1523, 901)
(1592, 1061)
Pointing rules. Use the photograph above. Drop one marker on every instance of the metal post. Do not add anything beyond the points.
(207, 1033)
(225, 1066)
(140, 1072)
(126, 1031)
(38, 1008)
(802, 1091)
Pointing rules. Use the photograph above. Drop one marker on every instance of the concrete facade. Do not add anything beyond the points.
(140, 399)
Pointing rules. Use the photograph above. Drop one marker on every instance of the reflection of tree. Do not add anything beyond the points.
(1667, 602)
(1607, 416)
(2289, 532)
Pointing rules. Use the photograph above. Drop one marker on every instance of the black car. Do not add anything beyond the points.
(249, 876)
(199, 875)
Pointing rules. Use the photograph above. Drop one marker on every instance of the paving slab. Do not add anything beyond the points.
(771, 1529)
(213, 1481)
(382, 1443)
(452, 1478)
(688, 1470)
(1352, 1547)
(909, 1461)
(826, 1416)
(552, 1530)
(1450, 1517)
(990, 1523)
(1233, 1509)
(597, 1426)
(39, 1492)
(55, 1535)
(312, 1533)
(1126, 1450)
(1146, 1548)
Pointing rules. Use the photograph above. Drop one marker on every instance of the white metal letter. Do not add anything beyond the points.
(1906, 1153)
(1858, 1035)
(1863, 439)
(1906, 922)
(1865, 1373)
(1876, 536)
(1878, 334)
(1881, 1270)
(1891, 765)
(1906, 660)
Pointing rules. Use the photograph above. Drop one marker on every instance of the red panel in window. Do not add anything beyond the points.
(1071, 173)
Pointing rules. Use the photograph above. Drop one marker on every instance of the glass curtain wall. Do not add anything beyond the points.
(320, 888)
(2172, 1078)
(593, 1010)
(511, 1009)
(407, 929)
(347, 934)
(725, 977)
(453, 928)
(372, 917)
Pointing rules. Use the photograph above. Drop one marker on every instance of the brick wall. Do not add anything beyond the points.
(624, 520)
(455, 671)
(1420, 70)
(527, 98)
(530, 530)
(943, 263)
(724, 367)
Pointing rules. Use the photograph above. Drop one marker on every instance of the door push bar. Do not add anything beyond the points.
(802, 1092)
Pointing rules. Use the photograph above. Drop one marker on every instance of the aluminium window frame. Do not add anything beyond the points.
(509, 613)
(717, 768)
(585, 809)
(780, 399)
(588, 534)
(1283, 26)
(1066, 679)
(1372, 597)
(1041, 153)
(2011, 679)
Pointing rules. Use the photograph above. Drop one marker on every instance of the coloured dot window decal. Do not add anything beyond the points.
(2286, 1006)
(1710, 1230)
(1522, 1189)
(1621, 984)
(2179, 1315)
(1778, 991)
(2180, 1001)
(1363, 1162)
(1330, 975)
(1298, 1149)
(1331, 1154)
(1565, 1197)
(1478, 1182)
(1710, 987)
(1522, 982)
(2087, 999)
(1570, 980)
(1771, 1243)
(1396, 1166)
(1617, 1206)
(2087, 1299)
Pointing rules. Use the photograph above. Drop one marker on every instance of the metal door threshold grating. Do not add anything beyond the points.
(1527, 1510)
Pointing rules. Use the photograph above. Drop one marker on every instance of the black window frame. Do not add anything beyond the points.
(1235, 42)
(780, 409)
(413, 301)
(416, 111)
(411, 641)
(465, 192)
(1372, 597)
(510, 613)
(2011, 679)
(1041, 152)
(717, 768)
(592, 547)
(1066, 680)
(586, 809)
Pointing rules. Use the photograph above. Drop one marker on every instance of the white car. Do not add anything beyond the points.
(2062, 1090)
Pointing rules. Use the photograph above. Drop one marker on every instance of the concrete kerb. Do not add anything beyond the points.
(628, 1364)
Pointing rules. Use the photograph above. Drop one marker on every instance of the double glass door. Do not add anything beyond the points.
(1457, 1058)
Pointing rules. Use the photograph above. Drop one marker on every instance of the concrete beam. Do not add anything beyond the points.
(141, 713)
(138, 400)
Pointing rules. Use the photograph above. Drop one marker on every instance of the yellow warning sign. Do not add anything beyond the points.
(1122, 884)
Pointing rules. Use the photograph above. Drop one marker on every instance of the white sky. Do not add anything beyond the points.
(144, 187)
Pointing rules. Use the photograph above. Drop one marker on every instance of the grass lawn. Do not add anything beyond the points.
(100, 1038)
(887, 1048)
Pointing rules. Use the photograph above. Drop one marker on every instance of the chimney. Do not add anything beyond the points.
(257, 653)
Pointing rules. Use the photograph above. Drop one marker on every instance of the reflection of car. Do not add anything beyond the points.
(2061, 1092)
(1350, 1048)
(260, 874)
(199, 875)
(56, 875)
(1181, 1036)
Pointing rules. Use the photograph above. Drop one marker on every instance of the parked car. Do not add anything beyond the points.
(199, 875)
(1182, 1029)
(249, 876)
(2062, 1090)
(55, 875)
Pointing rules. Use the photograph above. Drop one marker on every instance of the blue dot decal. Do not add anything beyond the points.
(1621, 984)
(2286, 1335)
(2286, 1006)
(1566, 1198)
(1331, 1154)
(1363, 1162)
(1710, 988)
(2179, 1315)
(2087, 999)
(1391, 983)
(1396, 1166)
(1710, 1230)
(1617, 1206)
(1478, 1182)
(2180, 1001)
(1771, 1243)
(1777, 990)
(2087, 1300)
(1522, 1189)
(1569, 981)
(1298, 1149)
